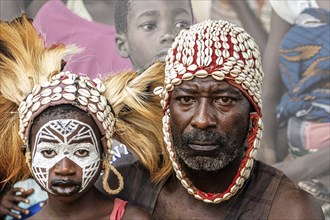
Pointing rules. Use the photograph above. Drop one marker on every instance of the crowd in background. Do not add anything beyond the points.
(293, 37)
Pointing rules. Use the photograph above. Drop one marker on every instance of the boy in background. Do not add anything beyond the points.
(146, 29)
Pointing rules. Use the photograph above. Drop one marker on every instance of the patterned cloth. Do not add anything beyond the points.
(305, 66)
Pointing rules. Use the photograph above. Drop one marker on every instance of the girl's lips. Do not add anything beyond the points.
(200, 147)
(65, 190)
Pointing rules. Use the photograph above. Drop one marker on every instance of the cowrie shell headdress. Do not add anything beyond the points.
(223, 51)
(79, 91)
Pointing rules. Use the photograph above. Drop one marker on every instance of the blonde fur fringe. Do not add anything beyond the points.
(139, 117)
(24, 62)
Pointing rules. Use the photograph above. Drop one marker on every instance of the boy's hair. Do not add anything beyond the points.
(121, 12)
(122, 8)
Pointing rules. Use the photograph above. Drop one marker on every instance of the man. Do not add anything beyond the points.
(146, 29)
(212, 124)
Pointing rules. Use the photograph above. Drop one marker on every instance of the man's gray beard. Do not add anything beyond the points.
(203, 163)
(208, 163)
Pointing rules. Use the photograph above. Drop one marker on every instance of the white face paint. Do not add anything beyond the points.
(62, 138)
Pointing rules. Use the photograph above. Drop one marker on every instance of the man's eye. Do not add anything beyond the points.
(148, 27)
(48, 153)
(224, 100)
(82, 153)
(185, 100)
(182, 25)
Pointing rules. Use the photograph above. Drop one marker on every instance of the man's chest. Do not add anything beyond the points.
(178, 204)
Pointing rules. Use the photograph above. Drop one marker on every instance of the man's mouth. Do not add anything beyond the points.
(203, 147)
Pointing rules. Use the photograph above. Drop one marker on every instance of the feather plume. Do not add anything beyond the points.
(24, 62)
(139, 117)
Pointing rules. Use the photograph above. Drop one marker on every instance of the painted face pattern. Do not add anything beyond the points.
(62, 138)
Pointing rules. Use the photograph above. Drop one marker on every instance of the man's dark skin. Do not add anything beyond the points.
(210, 104)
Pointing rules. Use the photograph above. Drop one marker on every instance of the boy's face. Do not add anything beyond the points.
(152, 27)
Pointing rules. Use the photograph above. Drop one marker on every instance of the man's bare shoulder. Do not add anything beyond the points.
(291, 202)
(134, 212)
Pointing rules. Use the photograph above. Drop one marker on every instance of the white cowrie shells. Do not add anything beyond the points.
(29, 98)
(103, 100)
(198, 197)
(57, 90)
(36, 98)
(46, 92)
(94, 92)
(218, 75)
(36, 89)
(56, 97)
(190, 60)
(218, 200)
(92, 107)
(250, 162)
(55, 82)
(158, 90)
(82, 100)
(176, 81)
(29, 104)
(35, 106)
(28, 115)
(207, 201)
(201, 73)
(100, 116)
(175, 166)
(187, 76)
(94, 99)
(69, 96)
(68, 81)
(70, 89)
(192, 67)
(84, 92)
(100, 87)
(169, 87)
(227, 196)
(101, 106)
(190, 191)
(22, 108)
(82, 84)
(184, 183)
(46, 100)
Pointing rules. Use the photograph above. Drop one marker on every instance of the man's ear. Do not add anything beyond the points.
(122, 46)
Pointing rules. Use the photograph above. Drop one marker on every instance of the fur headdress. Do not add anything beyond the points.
(24, 62)
(31, 80)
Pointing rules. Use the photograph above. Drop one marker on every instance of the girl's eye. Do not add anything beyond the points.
(48, 153)
(82, 153)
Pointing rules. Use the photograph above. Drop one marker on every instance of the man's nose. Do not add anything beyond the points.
(204, 116)
(65, 167)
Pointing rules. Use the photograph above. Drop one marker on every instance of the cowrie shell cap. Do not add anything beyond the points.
(216, 48)
(67, 88)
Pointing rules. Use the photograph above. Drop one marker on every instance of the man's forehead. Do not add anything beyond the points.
(208, 83)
